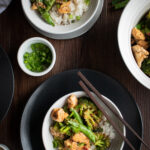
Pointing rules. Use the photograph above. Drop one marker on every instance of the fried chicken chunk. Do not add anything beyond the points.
(81, 138)
(71, 145)
(137, 34)
(143, 44)
(65, 8)
(140, 54)
(72, 101)
(58, 114)
(35, 5)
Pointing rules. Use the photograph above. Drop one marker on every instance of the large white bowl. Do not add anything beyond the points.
(116, 144)
(130, 17)
(63, 32)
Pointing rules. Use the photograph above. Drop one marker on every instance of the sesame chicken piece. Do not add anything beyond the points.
(58, 114)
(34, 6)
(40, 4)
(143, 44)
(81, 138)
(137, 34)
(140, 54)
(71, 145)
(56, 133)
(72, 101)
(65, 8)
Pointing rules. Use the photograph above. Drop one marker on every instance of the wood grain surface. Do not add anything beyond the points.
(97, 49)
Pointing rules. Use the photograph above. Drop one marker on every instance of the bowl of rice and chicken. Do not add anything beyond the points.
(75, 123)
(62, 19)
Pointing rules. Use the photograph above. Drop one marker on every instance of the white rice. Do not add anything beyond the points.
(108, 130)
(77, 7)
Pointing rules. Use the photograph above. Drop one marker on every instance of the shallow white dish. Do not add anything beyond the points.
(130, 17)
(25, 47)
(63, 32)
(116, 143)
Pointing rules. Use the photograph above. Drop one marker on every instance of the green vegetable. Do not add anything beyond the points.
(70, 16)
(85, 104)
(84, 129)
(32, 1)
(39, 1)
(65, 130)
(91, 119)
(102, 141)
(58, 6)
(146, 66)
(78, 18)
(148, 15)
(87, 2)
(39, 59)
(118, 4)
(76, 115)
(57, 143)
(46, 16)
(49, 4)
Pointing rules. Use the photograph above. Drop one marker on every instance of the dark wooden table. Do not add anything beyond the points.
(97, 49)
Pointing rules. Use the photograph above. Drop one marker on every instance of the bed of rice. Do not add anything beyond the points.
(108, 130)
(77, 7)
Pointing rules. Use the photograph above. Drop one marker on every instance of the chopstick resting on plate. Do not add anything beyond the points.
(83, 84)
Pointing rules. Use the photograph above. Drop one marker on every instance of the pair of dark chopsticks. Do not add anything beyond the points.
(83, 84)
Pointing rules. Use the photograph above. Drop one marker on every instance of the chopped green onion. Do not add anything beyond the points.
(70, 16)
(78, 18)
(39, 59)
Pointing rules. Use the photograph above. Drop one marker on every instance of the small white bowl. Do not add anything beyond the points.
(4, 147)
(130, 17)
(63, 32)
(116, 143)
(25, 47)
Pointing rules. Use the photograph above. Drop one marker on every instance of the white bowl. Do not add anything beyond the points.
(130, 17)
(67, 31)
(117, 143)
(25, 47)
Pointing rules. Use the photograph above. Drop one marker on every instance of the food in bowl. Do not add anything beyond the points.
(79, 124)
(39, 59)
(141, 43)
(60, 12)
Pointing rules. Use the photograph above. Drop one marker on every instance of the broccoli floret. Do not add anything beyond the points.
(91, 119)
(85, 104)
(102, 141)
(57, 143)
(66, 130)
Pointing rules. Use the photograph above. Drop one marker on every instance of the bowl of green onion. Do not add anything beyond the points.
(36, 56)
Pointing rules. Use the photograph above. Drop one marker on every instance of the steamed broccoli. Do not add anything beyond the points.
(102, 141)
(85, 104)
(90, 120)
(57, 143)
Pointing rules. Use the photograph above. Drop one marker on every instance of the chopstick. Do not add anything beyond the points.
(105, 114)
(105, 102)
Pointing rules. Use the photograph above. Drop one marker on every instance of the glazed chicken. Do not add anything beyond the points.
(58, 114)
